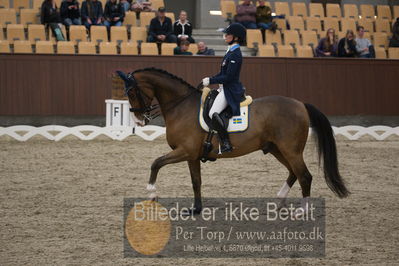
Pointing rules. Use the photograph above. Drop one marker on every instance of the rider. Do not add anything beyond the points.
(230, 88)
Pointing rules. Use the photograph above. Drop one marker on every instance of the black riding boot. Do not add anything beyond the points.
(218, 125)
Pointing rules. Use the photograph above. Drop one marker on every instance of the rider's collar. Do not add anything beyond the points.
(232, 47)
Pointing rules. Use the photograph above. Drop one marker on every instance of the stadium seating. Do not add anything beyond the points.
(145, 18)
(193, 48)
(77, 33)
(119, 34)
(382, 25)
(8, 16)
(285, 51)
(296, 23)
(98, 34)
(367, 11)
(37, 4)
(87, 48)
(266, 51)
(22, 47)
(380, 53)
(5, 46)
(348, 24)
(65, 48)
(108, 48)
(171, 15)
(333, 10)
(15, 32)
(129, 48)
(29, 16)
(393, 53)
(130, 19)
(273, 38)
(384, 12)
(138, 34)
(282, 8)
(281, 23)
(44, 47)
(18, 4)
(351, 11)
(299, 9)
(316, 10)
(309, 38)
(331, 23)
(149, 49)
(380, 39)
(254, 36)
(228, 9)
(304, 51)
(313, 23)
(291, 37)
(367, 24)
(396, 11)
(36, 33)
(167, 48)
(4, 4)
(1, 33)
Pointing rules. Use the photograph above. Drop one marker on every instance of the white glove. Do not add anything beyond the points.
(205, 82)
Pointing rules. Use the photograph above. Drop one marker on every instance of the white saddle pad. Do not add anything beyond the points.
(236, 123)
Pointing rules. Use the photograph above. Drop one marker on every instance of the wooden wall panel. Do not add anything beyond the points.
(78, 85)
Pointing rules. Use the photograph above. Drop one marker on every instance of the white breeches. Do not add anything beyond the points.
(219, 104)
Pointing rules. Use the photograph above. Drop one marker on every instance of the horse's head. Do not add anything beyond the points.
(139, 100)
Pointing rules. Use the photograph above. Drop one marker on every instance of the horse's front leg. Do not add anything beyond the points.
(195, 171)
(174, 156)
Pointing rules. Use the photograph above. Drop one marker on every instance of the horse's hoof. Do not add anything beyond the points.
(191, 212)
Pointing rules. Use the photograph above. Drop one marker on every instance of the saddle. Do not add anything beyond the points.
(233, 124)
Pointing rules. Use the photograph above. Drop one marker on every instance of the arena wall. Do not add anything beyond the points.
(56, 85)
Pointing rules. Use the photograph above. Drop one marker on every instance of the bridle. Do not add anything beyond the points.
(147, 109)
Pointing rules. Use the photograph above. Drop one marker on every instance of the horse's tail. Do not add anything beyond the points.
(327, 149)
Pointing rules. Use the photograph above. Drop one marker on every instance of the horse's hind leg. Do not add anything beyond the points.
(302, 173)
(174, 156)
(283, 193)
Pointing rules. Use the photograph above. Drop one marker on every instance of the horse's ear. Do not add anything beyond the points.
(122, 75)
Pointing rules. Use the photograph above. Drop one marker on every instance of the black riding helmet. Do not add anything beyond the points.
(237, 30)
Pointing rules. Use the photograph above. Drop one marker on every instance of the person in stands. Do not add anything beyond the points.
(204, 50)
(328, 45)
(363, 45)
(182, 49)
(92, 13)
(50, 17)
(161, 29)
(114, 13)
(183, 29)
(70, 13)
(246, 15)
(347, 45)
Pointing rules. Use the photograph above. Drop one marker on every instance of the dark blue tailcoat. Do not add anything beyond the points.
(229, 76)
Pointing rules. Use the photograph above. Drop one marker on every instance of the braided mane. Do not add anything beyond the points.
(161, 71)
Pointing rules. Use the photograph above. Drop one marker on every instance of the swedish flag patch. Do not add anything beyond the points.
(237, 121)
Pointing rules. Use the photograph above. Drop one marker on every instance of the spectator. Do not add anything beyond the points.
(394, 41)
(246, 15)
(363, 45)
(183, 29)
(70, 13)
(327, 46)
(126, 5)
(161, 28)
(139, 6)
(50, 16)
(182, 49)
(204, 50)
(92, 13)
(264, 18)
(347, 45)
(113, 13)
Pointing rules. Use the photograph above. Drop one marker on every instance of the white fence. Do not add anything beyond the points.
(150, 133)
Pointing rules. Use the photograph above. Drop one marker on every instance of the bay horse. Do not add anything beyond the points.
(277, 125)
